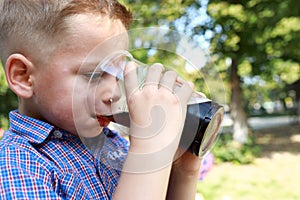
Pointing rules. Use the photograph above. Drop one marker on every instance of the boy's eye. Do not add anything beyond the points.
(92, 75)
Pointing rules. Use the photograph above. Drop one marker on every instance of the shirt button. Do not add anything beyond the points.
(57, 134)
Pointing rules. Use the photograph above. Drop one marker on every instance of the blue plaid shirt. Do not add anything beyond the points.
(39, 161)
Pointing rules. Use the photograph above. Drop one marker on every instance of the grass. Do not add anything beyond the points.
(273, 176)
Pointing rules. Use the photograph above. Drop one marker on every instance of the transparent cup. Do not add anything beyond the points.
(203, 118)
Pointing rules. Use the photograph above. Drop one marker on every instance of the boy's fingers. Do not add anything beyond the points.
(168, 80)
(130, 78)
(185, 91)
(153, 75)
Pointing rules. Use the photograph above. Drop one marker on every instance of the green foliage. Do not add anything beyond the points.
(156, 13)
(3, 84)
(8, 100)
(256, 44)
(227, 150)
(262, 36)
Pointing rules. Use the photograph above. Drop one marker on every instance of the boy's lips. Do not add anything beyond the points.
(104, 120)
(121, 118)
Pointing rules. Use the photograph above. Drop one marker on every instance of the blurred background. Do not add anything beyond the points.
(254, 44)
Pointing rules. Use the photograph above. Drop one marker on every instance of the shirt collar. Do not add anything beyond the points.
(34, 130)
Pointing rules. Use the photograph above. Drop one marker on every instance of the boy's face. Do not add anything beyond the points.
(60, 92)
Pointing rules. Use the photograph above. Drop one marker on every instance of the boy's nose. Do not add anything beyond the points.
(113, 90)
(116, 94)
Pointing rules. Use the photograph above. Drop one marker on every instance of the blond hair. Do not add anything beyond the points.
(26, 24)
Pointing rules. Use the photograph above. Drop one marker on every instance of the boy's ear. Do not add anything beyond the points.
(18, 71)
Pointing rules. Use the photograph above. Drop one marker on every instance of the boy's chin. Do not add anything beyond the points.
(89, 128)
(90, 133)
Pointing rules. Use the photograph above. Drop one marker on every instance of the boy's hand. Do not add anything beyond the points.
(157, 115)
(187, 164)
(184, 177)
(157, 112)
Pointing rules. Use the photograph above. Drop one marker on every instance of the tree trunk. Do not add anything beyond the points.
(240, 126)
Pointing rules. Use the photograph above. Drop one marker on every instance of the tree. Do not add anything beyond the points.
(254, 43)
(157, 13)
(255, 39)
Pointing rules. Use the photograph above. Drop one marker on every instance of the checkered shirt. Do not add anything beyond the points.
(39, 161)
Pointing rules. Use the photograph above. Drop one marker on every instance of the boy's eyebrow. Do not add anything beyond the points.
(113, 68)
(91, 61)
(119, 61)
(90, 64)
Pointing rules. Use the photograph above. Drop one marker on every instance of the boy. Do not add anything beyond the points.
(43, 46)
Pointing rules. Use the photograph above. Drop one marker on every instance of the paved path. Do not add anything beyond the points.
(257, 123)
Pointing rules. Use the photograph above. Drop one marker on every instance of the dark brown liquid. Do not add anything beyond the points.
(193, 131)
(119, 118)
(123, 118)
(189, 132)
